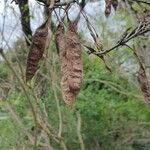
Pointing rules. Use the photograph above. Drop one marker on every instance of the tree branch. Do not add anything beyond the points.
(140, 1)
(25, 20)
(141, 29)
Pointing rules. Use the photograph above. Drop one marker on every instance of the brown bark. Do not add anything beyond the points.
(25, 20)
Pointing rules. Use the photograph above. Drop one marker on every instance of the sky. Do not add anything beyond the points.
(10, 18)
(1, 5)
(10, 25)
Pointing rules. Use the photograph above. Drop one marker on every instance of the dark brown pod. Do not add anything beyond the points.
(115, 4)
(144, 83)
(38, 46)
(108, 7)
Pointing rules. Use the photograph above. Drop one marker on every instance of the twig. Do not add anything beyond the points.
(114, 86)
(82, 147)
(18, 121)
(59, 114)
(62, 4)
(140, 1)
(23, 87)
(55, 4)
(54, 81)
(126, 37)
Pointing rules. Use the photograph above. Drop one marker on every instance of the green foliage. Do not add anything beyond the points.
(3, 71)
(110, 115)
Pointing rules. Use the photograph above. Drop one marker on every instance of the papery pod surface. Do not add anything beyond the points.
(39, 43)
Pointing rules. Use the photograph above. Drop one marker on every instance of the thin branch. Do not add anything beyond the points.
(114, 87)
(126, 37)
(54, 81)
(62, 4)
(23, 87)
(18, 121)
(11, 33)
(140, 1)
(82, 147)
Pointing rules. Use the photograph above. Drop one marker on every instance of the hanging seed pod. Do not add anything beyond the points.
(39, 43)
(108, 7)
(61, 48)
(109, 3)
(144, 84)
(115, 4)
(71, 63)
(74, 62)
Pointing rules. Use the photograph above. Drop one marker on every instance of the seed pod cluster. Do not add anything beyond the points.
(38, 46)
(109, 4)
(71, 62)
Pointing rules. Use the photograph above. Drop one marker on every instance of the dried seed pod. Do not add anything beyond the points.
(108, 7)
(74, 56)
(109, 3)
(39, 43)
(115, 4)
(144, 84)
(74, 64)
(71, 62)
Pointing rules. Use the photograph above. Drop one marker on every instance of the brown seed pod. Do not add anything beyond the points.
(38, 45)
(71, 62)
(74, 60)
(108, 7)
(115, 4)
(109, 4)
(144, 83)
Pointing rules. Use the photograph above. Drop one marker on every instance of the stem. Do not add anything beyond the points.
(25, 92)
(82, 147)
